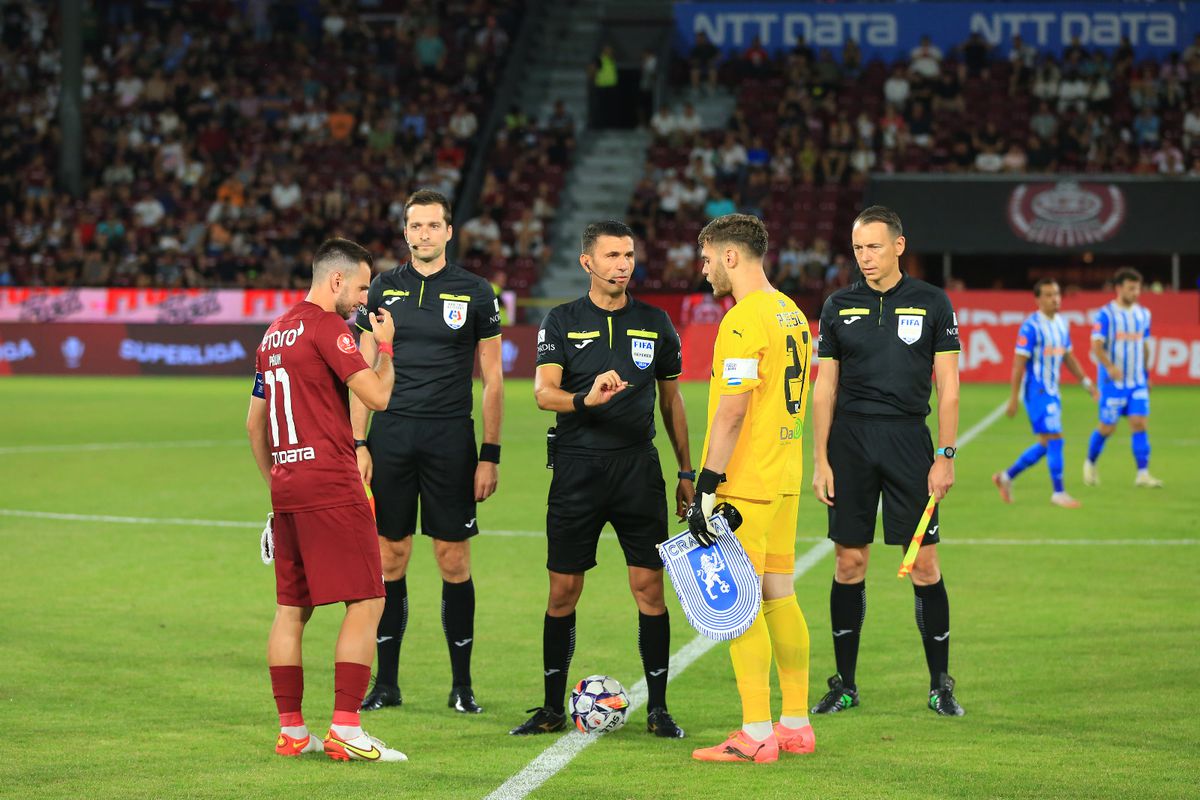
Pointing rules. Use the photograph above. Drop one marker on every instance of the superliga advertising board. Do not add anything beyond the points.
(889, 31)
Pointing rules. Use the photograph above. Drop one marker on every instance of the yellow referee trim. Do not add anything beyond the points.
(917, 311)
(465, 297)
(846, 312)
(671, 377)
(583, 334)
(642, 334)
(396, 293)
(489, 338)
(946, 352)
(548, 364)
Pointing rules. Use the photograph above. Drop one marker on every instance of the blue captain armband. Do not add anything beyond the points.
(258, 390)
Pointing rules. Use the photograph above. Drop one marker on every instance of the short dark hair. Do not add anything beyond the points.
(428, 197)
(881, 214)
(609, 227)
(744, 230)
(339, 252)
(1126, 274)
(1037, 287)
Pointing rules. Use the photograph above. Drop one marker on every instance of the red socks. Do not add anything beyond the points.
(287, 684)
(350, 683)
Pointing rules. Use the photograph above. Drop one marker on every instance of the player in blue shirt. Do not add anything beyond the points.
(1043, 346)
(1121, 347)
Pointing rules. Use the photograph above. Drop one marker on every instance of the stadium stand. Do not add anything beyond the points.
(224, 140)
(807, 130)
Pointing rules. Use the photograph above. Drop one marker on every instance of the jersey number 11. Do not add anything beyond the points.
(279, 377)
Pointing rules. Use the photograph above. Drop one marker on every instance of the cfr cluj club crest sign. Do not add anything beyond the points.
(1066, 214)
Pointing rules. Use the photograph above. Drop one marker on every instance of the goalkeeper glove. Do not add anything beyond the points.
(266, 545)
(699, 513)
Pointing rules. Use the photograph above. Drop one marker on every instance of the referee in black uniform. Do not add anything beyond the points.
(598, 361)
(423, 447)
(880, 341)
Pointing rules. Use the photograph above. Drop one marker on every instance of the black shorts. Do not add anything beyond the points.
(432, 460)
(870, 455)
(587, 491)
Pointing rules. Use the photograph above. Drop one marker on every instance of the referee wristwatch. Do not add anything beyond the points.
(360, 443)
(948, 452)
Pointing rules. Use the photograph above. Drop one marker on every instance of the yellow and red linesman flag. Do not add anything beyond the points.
(370, 497)
(910, 557)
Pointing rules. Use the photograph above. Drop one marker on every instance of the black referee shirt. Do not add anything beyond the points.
(637, 340)
(439, 320)
(884, 343)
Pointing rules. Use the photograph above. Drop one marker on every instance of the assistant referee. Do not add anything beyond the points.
(880, 341)
(423, 446)
(599, 359)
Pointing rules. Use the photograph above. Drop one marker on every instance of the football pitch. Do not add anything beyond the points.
(134, 612)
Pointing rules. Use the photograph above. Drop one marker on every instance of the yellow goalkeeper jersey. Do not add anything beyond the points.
(763, 347)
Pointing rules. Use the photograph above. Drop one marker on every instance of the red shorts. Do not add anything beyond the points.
(327, 556)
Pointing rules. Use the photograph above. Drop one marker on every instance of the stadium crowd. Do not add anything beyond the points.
(808, 128)
(224, 141)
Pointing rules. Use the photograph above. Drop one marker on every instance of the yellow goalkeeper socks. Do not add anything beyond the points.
(789, 639)
(751, 656)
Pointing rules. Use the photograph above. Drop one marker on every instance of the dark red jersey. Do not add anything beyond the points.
(302, 366)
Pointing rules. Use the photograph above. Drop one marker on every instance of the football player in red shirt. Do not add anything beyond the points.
(323, 531)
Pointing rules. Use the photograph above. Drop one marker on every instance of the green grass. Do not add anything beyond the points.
(132, 656)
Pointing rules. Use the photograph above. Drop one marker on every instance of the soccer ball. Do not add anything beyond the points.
(599, 704)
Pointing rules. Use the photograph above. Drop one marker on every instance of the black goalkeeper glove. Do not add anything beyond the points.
(699, 513)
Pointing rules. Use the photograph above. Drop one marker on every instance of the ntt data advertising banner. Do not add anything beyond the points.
(891, 30)
(1046, 214)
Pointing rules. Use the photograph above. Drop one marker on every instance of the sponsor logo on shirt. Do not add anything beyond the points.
(345, 343)
(277, 339)
(294, 455)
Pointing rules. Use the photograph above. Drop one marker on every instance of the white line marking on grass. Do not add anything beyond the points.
(551, 760)
(92, 447)
(201, 523)
(230, 523)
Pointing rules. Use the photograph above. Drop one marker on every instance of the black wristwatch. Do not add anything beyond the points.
(360, 443)
(686, 475)
(948, 452)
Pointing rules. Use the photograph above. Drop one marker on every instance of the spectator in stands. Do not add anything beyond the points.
(430, 51)
(1014, 158)
(700, 168)
(1073, 92)
(479, 233)
(670, 195)
(692, 198)
(920, 126)
(647, 83)
(1042, 154)
(463, 123)
(826, 74)
(731, 159)
(862, 159)
(1044, 123)
(896, 88)
(839, 144)
(1144, 89)
(975, 54)
(1173, 97)
(756, 58)
(1146, 126)
(681, 265)
(529, 234)
(1045, 80)
(664, 122)
(703, 62)
(719, 205)
(1100, 93)
(752, 198)
(925, 59)
(689, 123)
(492, 39)
(1191, 127)
(1169, 159)
(1021, 58)
(947, 94)
(893, 128)
(851, 58)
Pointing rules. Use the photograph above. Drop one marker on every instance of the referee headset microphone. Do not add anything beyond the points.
(588, 267)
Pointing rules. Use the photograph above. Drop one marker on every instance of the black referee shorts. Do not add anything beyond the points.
(870, 455)
(587, 491)
(427, 460)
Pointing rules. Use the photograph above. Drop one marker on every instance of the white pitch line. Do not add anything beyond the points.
(551, 760)
(61, 517)
(92, 447)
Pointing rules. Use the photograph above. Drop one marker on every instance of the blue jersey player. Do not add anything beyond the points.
(1043, 346)
(1121, 347)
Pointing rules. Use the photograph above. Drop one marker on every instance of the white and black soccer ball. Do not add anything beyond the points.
(599, 704)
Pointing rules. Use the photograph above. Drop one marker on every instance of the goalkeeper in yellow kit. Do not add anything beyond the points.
(753, 460)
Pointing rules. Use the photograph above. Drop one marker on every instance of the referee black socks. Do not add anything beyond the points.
(458, 623)
(558, 646)
(390, 632)
(933, 620)
(654, 645)
(847, 610)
